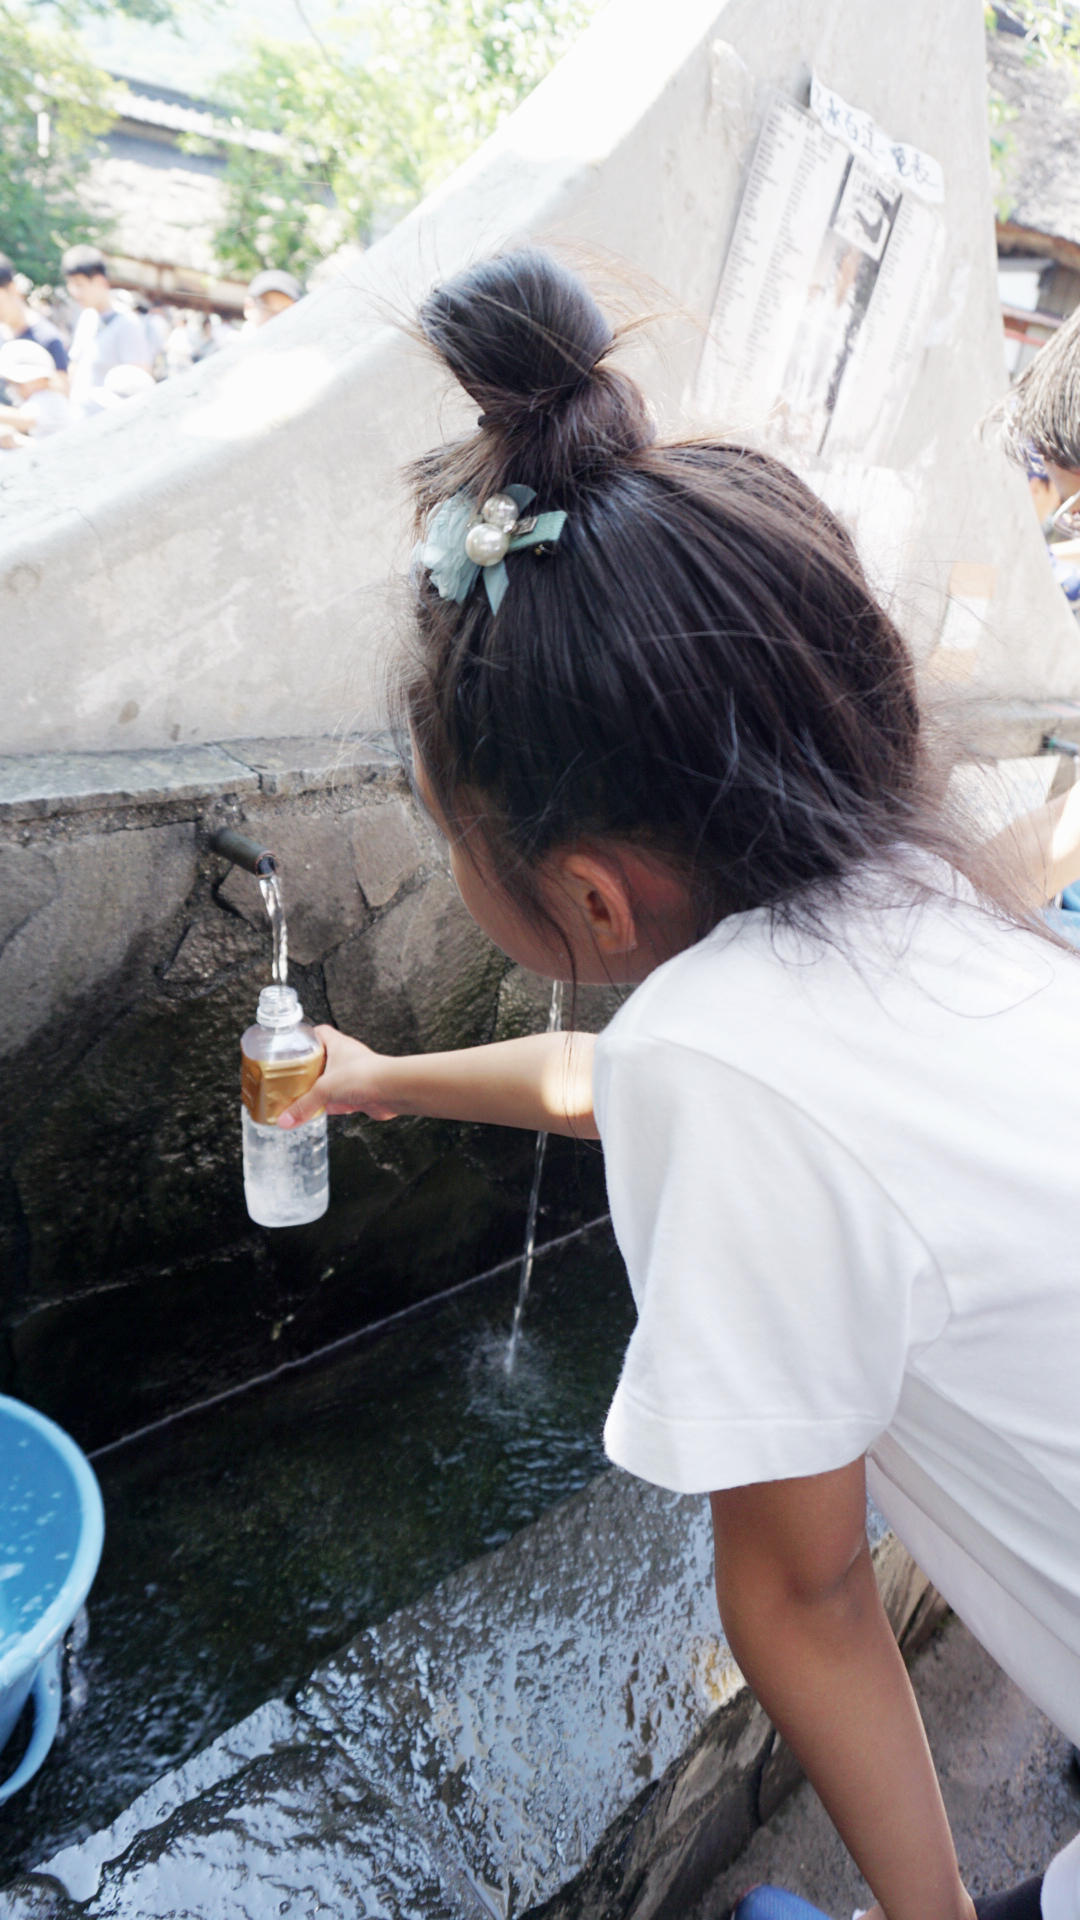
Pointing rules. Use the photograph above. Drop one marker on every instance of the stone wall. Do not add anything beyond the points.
(131, 958)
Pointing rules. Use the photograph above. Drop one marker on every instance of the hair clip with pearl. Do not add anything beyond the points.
(460, 543)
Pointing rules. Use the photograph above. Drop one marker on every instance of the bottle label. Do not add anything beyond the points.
(267, 1087)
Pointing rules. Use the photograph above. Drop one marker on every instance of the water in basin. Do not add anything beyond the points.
(245, 1543)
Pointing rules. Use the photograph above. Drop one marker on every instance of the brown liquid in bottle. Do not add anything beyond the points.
(267, 1087)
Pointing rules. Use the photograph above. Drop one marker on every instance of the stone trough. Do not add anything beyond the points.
(558, 1730)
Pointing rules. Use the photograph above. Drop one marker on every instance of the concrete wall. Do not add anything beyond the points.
(216, 564)
(131, 1280)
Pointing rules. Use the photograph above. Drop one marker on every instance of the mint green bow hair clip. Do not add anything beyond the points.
(460, 543)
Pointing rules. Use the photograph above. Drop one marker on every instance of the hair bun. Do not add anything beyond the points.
(526, 339)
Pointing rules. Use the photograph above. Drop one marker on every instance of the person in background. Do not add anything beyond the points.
(105, 336)
(268, 295)
(1040, 426)
(28, 369)
(121, 385)
(23, 323)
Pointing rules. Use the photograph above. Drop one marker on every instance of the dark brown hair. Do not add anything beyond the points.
(698, 665)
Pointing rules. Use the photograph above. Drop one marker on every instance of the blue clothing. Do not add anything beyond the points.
(47, 336)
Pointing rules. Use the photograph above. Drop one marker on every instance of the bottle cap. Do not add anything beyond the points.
(279, 1007)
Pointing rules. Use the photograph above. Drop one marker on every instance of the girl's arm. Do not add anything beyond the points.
(542, 1082)
(804, 1619)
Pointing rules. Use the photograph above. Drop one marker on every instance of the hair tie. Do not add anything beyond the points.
(459, 543)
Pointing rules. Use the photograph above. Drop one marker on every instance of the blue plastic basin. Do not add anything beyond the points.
(52, 1526)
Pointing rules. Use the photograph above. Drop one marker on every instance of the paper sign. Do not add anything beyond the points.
(915, 171)
(825, 298)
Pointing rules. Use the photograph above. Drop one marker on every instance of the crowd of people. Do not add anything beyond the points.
(66, 357)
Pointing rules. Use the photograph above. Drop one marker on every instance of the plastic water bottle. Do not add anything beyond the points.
(286, 1180)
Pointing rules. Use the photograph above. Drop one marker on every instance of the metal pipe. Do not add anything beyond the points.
(249, 854)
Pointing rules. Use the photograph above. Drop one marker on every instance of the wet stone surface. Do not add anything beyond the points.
(243, 1544)
(558, 1729)
(494, 1729)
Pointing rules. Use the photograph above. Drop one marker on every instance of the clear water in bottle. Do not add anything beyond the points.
(286, 1178)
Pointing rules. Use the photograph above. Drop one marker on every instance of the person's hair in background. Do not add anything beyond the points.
(7, 271)
(698, 665)
(1043, 409)
(1041, 417)
(84, 263)
(269, 294)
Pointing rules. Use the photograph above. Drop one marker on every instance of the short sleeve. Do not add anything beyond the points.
(773, 1276)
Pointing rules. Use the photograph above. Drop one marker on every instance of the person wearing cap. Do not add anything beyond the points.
(27, 368)
(106, 336)
(22, 323)
(268, 295)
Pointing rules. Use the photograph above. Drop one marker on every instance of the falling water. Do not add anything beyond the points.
(270, 888)
(553, 1026)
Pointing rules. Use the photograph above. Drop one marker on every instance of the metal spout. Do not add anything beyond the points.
(243, 852)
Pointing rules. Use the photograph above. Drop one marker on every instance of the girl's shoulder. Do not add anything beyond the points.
(877, 970)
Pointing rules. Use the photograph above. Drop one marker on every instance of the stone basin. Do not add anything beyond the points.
(557, 1730)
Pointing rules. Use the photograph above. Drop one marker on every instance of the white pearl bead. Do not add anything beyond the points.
(501, 511)
(486, 545)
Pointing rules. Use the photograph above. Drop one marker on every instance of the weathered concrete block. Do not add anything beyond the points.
(110, 900)
(37, 786)
(669, 1845)
(323, 903)
(28, 881)
(421, 979)
(386, 851)
(211, 947)
(309, 762)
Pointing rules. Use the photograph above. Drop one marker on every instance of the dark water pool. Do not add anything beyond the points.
(244, 1543)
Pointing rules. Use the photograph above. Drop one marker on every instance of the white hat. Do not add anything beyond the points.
(24, 360)
(120, 384)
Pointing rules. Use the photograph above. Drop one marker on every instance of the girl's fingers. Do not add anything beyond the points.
(349, 1083)
(303, 1109)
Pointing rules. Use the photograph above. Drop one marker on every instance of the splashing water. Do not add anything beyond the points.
(273, 901)
(554, 1025)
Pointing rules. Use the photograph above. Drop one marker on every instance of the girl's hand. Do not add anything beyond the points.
(354, 1079)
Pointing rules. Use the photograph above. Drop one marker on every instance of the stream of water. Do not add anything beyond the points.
(554, 1025)
(274, 902)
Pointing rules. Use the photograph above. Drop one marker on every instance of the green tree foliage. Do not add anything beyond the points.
(364, 121)
(53, 103)
(1053, 31)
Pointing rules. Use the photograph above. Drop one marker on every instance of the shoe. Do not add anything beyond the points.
(774, 1903)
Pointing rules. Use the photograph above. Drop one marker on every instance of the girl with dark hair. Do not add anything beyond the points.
(673, 741)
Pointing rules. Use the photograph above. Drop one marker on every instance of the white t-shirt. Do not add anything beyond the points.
(846, 1183)
(102, 341)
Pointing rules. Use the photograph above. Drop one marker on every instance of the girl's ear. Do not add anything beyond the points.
(599, 894)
